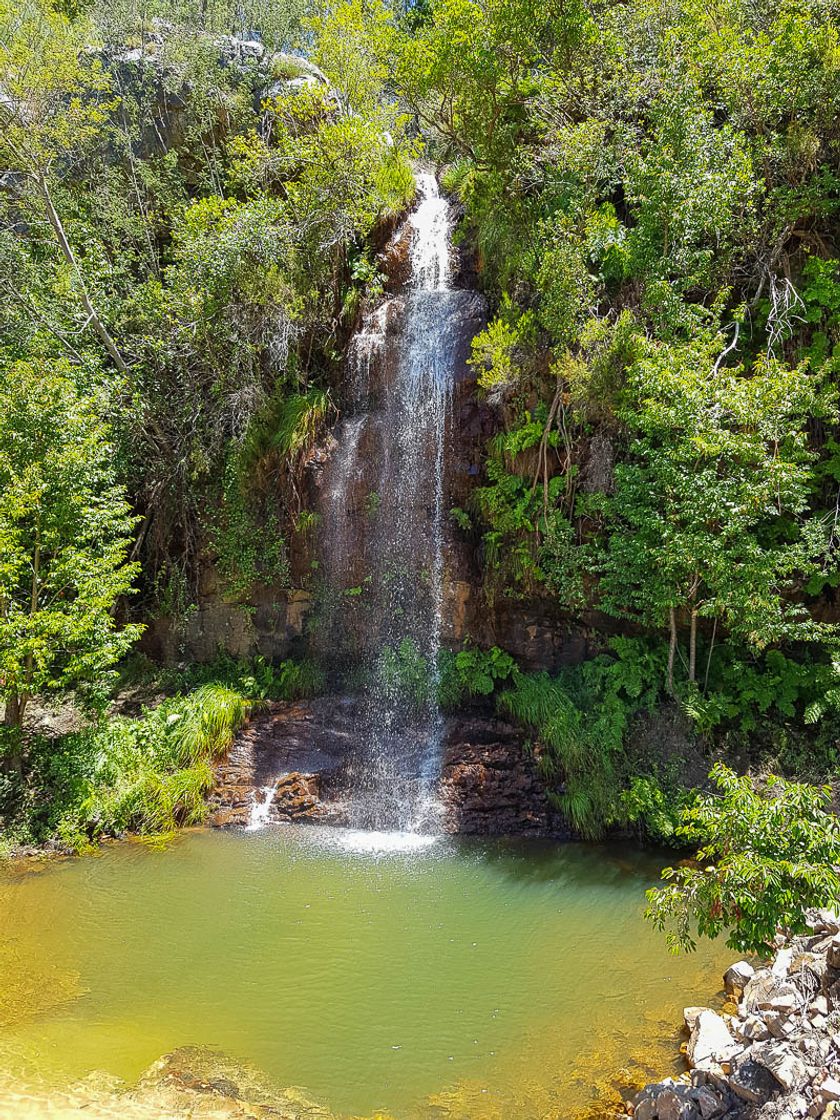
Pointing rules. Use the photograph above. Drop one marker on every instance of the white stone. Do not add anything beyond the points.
(737, 976)
(784, 1003)
(827, 920)
(753, 1029)
(692, 1014)
(711, 1042)
(829, 1089)
(786, 1066)
(782, 963)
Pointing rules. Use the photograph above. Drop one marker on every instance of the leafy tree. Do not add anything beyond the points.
(53, 107)
(65, 536)
(767, 854)
(704, 521)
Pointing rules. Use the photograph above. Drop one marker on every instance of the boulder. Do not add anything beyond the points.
(784, 1063)
(833, 952)
(781, 965)
(709, 1103)
(711, 1042)
(692, 1014)
(829, 1089)
(778, 1025)
(752, 1082)
(737, 976)
(752, 1029)
(813, 969)
(675, 1105)
(759, 990)
(824, 921)
(796, 1105)
(785, 1002)
(645, 1108)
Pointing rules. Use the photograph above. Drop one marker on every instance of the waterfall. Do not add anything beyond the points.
(261, 808)
(401, 376)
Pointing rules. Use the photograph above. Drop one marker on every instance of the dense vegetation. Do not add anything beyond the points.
(765, 857)
(651, 192)
(189, 227)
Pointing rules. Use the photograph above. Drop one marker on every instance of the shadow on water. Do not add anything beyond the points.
(571, 865)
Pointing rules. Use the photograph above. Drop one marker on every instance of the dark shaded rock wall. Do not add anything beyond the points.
(302, 753)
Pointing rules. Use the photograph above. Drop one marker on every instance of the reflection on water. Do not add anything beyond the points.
(487, 979)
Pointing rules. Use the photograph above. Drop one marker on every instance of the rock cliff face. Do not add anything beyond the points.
(774, 1051)
(293, 761)
(341, 482)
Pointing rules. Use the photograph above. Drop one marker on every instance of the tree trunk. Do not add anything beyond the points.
(672, 650)
(692, 648)
(14, 711)
(709, 658)
(70, 257)
(11, 760)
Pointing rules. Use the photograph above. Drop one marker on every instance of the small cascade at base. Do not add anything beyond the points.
(261, 807)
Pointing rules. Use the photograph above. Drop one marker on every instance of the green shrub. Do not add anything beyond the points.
(148, 775)
(472, 672)
(404, 671)
(257, 678)
(656, 808)
(766, 854)
(581, 717)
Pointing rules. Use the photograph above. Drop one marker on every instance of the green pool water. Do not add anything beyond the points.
(463, 978)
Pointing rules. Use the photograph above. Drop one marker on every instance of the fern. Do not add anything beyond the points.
(298, 420)
(581, 717)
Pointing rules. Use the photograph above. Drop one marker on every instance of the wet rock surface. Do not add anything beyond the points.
(777, 1055)
(489, 783)
(296, 755)
(296, 750)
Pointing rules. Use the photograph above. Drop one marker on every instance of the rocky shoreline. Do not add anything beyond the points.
(773, 1052)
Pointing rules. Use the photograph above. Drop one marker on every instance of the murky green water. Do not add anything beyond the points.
(495, 978)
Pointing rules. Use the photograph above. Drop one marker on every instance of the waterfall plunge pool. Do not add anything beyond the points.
(466, 979)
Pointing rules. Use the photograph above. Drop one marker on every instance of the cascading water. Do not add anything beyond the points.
(392, 446)
(261, 808)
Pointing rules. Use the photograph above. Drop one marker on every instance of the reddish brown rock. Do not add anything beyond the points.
(490, 785)
(298, 797)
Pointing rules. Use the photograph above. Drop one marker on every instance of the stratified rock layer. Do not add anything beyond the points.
(490, 785)
(298, 756)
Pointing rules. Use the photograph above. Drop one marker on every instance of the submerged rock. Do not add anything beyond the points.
(186, 1081)
(190, 1082)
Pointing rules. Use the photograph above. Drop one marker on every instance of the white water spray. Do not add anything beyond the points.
(261, 808)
